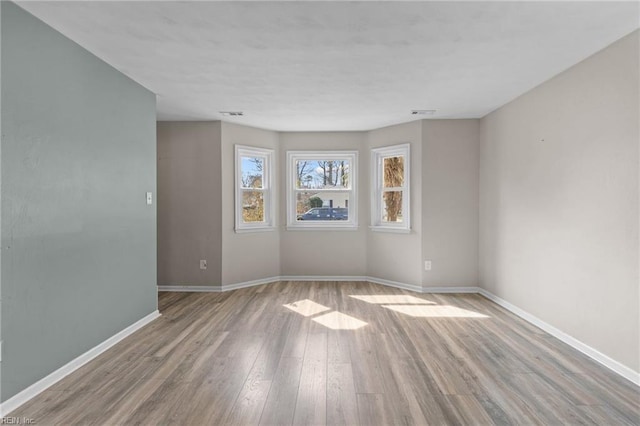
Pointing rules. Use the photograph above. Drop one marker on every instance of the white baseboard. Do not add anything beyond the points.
(251, 283)
(458, 290)
(592, 353)
(234, 286)
(215, 288)
(25, 395)
(396, 284)
(190, 288)
(349, 278)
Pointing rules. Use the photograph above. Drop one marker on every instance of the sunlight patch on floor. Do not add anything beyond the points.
(334, 320)
(339, 321)
(380, 299)
(434, 311)
(306, 307)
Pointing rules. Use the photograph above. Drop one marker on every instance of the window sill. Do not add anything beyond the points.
(322, 228)
(390, 229)
(256, 229)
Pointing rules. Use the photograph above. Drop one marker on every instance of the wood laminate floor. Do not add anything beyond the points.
(336, 353)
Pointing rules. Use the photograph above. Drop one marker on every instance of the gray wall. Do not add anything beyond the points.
(450, 155)
(196, 196)
(189, 203)
(78, 240)
(253, 255)
(394, 256)
(559, 202)
(335, 253)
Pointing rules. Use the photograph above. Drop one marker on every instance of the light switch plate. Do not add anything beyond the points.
(149, 198)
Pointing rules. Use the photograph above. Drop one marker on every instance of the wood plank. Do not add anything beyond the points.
(464, 410)
(372, 410)
(311, 402)
(364, 361)
(342, 404)
(338, 347)
(280, 406)
(249, 405)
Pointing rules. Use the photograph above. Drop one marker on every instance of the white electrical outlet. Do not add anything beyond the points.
(427, 265)
(203, 264)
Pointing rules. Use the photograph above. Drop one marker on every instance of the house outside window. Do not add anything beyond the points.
(322, 190)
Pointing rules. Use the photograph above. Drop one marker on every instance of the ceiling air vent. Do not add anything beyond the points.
(232, 113)
(423, 111)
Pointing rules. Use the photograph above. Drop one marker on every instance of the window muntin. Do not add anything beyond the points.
(322, 189)
(254, 177)
(390, 184)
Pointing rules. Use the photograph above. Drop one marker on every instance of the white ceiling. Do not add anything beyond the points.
(311, 66)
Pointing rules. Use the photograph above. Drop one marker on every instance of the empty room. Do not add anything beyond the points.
(319, 213)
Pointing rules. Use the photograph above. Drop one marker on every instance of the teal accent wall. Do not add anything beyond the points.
(78, 239)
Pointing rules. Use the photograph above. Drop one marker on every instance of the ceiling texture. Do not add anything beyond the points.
(333, 66)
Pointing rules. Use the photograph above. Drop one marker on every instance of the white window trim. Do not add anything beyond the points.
(377, 156)
(349, 225)
(268, 181)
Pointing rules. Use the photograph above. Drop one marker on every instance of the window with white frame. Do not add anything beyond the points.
(322, 189)
(390, 188)
(254, 191)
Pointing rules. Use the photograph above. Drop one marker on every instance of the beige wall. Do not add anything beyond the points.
(189, 203)
(559, 202)
(254, 255)
(331, 253)
(196, 220)
(394, 256)
(450, 155)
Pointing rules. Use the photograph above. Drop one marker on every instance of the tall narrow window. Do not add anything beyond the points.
(254, 194)
(322, 189)
(390, 188)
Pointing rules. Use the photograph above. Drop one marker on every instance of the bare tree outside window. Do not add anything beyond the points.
(393, 169)
(390, 188)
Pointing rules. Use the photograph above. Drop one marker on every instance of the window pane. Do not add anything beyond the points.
(252, 172)
(252, 206)
(319, 174)
(325, 205)
(392, 206)
(393, 168)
